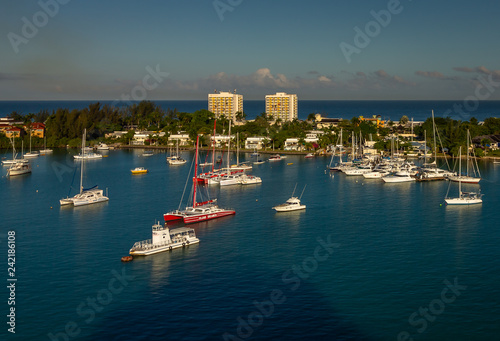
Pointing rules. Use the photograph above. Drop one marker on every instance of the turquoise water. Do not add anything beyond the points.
(355, 265)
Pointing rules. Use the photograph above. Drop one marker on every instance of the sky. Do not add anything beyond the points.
(185, 49)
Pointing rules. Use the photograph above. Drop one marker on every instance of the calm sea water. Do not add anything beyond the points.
(365, 260)
(394, 110)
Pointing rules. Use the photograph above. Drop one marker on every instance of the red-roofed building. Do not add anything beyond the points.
(12, 132)
(37, 129)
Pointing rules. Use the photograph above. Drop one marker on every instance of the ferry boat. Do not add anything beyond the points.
(139, 170)
(164, 239)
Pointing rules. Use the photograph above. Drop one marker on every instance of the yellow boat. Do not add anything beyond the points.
(139, 170)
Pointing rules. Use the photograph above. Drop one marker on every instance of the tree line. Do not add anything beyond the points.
(64, 127)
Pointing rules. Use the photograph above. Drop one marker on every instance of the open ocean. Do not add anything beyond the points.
(418, 110)
(365, 260)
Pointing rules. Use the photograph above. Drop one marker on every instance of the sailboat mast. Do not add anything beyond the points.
(83, 159)
(195, 179)
(341, 145)
(467, 152)
(459, 172)
(213, 153)
(228, 146)
(237, 148)
(434, 136)
(425, 146)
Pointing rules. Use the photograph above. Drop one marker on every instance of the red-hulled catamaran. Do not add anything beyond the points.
(200, 211)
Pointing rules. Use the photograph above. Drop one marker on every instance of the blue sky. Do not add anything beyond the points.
(108, 49)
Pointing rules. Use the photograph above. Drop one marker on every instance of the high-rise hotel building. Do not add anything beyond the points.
(282, 105)
(225, 103)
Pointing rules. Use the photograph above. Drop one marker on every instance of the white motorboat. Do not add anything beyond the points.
(376, 174)
(102, 146)
(292, 204)
(164, 239)
(88, 156)
(355, 171)
(147, 153)
(19, 168)
(176, 160)
(464, 198)
(275, 157)
(230, 179)
(401, 176)
(86, 196)
(250, 179)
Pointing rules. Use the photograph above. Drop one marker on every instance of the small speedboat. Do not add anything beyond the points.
(139, 170)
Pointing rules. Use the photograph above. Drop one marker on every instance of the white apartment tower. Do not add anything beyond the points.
(282, 105)
(225, 103)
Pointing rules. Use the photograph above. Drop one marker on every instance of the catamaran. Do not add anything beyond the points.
(199, 211)
(86, 196)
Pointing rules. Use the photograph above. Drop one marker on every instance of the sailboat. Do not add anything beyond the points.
(232, 177)
(240, 166)
(17, 166)
(45, 151)
(199, 211)
(14, 160)
(430, 171)
(176, 159)
(464, 198)
(31, 154)
(467, 178)
(86, 196)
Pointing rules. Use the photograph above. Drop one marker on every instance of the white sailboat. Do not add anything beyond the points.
(86, 196)
(176, 159)
(31, 154)
(464, 198)
(45, 151)
(14, 160)
(468, 178)
(19, 168)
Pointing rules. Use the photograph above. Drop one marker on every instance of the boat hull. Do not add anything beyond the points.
(153, 250)
(463, 201)
(191, 219)
(289, 209)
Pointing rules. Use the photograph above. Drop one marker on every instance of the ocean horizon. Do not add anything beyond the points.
(419, 110)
